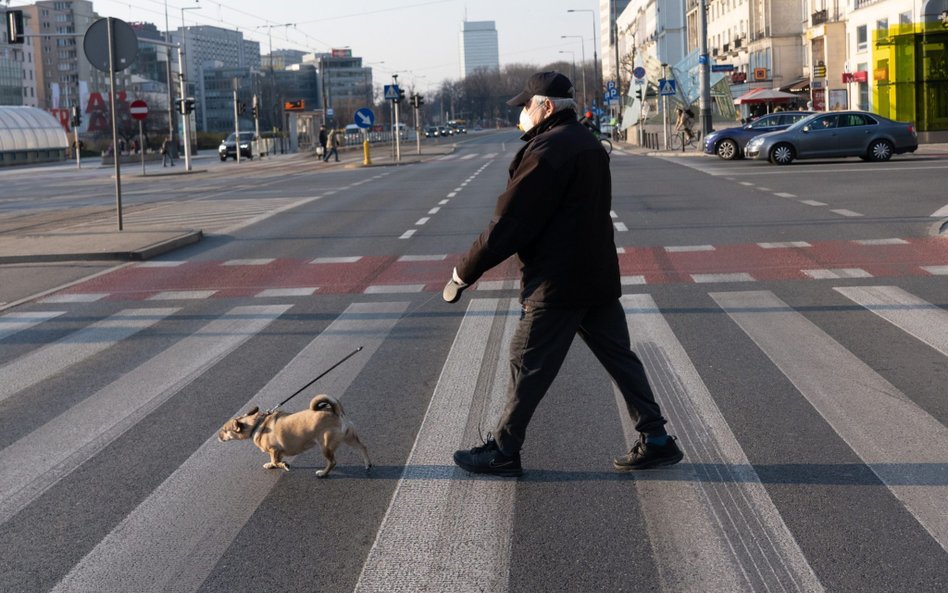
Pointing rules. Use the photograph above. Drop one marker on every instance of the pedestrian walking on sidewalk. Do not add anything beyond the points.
(555, 216)
(332, 142)
(323, 138)
(166, 153)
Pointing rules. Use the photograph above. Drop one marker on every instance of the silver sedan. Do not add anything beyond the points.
(869, 136)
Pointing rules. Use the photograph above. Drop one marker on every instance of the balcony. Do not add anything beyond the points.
(818, 18)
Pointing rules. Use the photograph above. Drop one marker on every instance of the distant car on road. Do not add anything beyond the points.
(432, 132)
(445, 131)
(228, 147)
(869, 136)
(729, 143)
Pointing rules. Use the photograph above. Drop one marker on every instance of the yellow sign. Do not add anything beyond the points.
(760, 74)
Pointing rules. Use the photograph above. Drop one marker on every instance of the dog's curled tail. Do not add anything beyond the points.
(323, 402)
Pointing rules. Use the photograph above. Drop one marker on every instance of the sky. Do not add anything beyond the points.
(417, 39)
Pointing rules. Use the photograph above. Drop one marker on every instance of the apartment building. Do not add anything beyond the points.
(17, 68)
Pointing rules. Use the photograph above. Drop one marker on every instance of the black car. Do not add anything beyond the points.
(432, 132)
(228, 147)
(729, 143)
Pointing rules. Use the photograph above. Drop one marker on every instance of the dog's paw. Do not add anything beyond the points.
(322, 473)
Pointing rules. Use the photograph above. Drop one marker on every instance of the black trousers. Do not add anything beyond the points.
(537, 351)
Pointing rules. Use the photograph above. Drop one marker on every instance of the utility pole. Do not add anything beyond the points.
(615, 42)
(398, 147)
(236, 123)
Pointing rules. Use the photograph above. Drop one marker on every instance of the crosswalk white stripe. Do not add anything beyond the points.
(468, 156)
(187, 523)
(905, 311)
(901, 443)
(35, 462)
(74, 348)
(731, 533)
(461, 547)
(13, 323)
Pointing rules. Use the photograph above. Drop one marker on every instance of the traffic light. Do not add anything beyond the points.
(401, 96)
(255, 111)
(241, 107)
(15, 30)
(179, 106)
(76, 119)
(188, 105)
(638, 93)
(417, 101)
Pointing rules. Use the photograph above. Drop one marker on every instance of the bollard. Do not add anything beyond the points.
(366, 153)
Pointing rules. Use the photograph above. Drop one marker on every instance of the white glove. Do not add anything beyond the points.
(454, 287)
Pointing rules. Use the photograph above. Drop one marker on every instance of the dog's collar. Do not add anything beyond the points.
(258, 424)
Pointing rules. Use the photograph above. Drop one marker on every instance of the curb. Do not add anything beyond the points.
(140, 254)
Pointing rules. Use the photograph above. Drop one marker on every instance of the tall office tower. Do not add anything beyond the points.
(479, 46)
(609, 10)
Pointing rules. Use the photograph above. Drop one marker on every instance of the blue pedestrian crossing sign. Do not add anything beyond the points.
(666, 86)
(364, 118)
(391, 92)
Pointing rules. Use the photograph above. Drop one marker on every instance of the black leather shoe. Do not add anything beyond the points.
(645, 455)
(488, 459)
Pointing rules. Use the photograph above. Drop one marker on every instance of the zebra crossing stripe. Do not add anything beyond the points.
(905, 311)
(13, 323)
(466, 547)
(76, 347)
(35, 462)
(901, 443)
(733, 535)
(187, 523)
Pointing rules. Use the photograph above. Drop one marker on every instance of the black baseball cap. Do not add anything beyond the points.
(549, 84)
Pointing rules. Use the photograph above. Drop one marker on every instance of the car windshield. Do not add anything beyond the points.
(244, 137)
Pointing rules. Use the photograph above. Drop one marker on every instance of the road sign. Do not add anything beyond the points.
(364, 118)
(611, 84)
(95, 43)
(138, 109)
(666, 86)
(612, 95)
(703, 59)
(391, 92)
(330, 112)
(638, 73)
(722, 67)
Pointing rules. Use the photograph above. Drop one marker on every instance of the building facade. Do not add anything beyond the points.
(609, 11)
(345, 85)
(479, 49)
(17, 68)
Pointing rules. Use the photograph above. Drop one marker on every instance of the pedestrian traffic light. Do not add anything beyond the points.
(15, 30)
(255, 111)
(401, 96)
(241, 107)
(417, 101)
(188, 105)
(76, 119)
(638, 94)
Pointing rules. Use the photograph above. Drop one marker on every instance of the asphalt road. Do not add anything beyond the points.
(792, 320)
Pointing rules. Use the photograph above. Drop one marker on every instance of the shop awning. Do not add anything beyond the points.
(800, 85)
(757, 96)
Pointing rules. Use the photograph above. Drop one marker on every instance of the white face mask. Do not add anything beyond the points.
(526, 122)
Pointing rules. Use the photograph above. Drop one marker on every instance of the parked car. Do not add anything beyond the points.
(228, 147)
(869, 136)
(432, 132)
(729, 143)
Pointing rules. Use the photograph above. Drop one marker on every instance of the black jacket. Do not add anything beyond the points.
(555, 216)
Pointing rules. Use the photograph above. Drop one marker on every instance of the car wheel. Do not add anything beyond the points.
(728, 150)
(880, 150)
(782, 154)
(223, 158)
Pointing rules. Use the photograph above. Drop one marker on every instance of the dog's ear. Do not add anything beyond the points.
(253, 411)
(237, 426)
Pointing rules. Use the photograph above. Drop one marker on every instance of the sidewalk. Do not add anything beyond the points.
(56, 235)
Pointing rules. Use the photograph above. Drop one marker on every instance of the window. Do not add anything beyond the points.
(905, 18)
(862, 38)
(863, 89)
(824, 123)
(882, 25)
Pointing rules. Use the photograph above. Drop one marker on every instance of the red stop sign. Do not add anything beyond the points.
(138, 109)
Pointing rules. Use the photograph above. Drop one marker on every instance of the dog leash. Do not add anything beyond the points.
(344, 359)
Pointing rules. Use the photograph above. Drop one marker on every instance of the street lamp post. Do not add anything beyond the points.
(597, 82)
(171, 118)
(582, 44)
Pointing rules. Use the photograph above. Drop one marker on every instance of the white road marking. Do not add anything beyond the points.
(394, 288)
(32, 464)
(466, 547)
(468, 156)
(688, 248)
(836, 273)
(13, 323)
(434, 210)
(187, 523)
(905, 311)
(781, 194)
(936, 270)
(422, 220)
(457, 189)
(423, 257)
(901, 443)
(76, 347)
(407, 234)
(620, 227)
(881, 242)
(613, 214)
(249, 262)
(845, 212)
(712, 508)
(174, 295)
(764, 189)
(747, 183)
(161, 264)
(812, 203)
(943, 211)
(443, 202)
(620, 249)
(732, 277)
(452, 194)
(632, 280)
(490, 155)
(287, 292)
(337, 260)
(784, 245)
